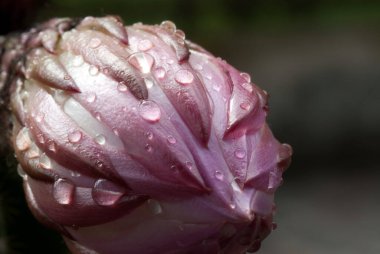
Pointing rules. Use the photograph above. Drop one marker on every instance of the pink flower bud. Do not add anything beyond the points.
(136, 140)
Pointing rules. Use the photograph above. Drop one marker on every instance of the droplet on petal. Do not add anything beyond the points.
(93, 70)
(150, 111)
(143, 62)
(94, 43)
(106, 193)
(219, 175)
(184, 77)
(246, 77)
(160, 73)
(240, 153)
(168, 26)
(23, 139)
(122, 87)
(91, 97)
(45, 161)
(154, 206)
(100, 139)
(75, 136)
(248, 87)
(63, 191)
(145, 45)
(245, 105)
(171, 139)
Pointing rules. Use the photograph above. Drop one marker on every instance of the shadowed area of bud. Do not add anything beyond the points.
(135, 140)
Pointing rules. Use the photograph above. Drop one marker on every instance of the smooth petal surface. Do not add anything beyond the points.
(136, 140)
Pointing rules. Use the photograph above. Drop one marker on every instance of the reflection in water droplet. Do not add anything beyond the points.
(91, 97)
(45, 161)
(219, 175)
(171, 139)
(168, 26)
(240, 153)
(93, 70)
(245, 105)
(184, 77)
(75, 136)
(141, 61)
(63, 191)
(154, 206)
(150, 111)
(160, 73)
(23, 139)
(100, 139)
(106, 193)
(145, 45)
(94, 43)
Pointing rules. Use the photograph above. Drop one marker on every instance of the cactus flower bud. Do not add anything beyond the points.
(136, 140)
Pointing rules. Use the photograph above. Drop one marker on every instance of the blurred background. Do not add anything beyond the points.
(320, 62)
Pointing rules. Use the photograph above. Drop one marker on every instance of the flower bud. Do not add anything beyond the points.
(136, 140)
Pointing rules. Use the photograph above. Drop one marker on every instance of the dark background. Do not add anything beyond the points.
(320, 62)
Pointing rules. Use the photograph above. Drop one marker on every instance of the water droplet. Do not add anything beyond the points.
(170, 61)
(106, 193)
(233, 206)
(180, 34)
(115, 131)
(98, 116)
(41, 138)
(154, 206)
(184, 77)
(75, 173)
(198, 67)
(106, 70)
(39, 117)
(240, 153)
(171, 139)
(173, 168)
(160, 73)
(148, 148)
(100, 139)
(33, 152)
(78, 61)
(141, 61)
(52, 146)
(21, 172)
(63, 191)
(66, 77)
(23, 139)
(248, 87)
(189, 165)
(150, 111)
(122, 87)
(91, 97)
(245, 105)
(75, 136)
(145, 45)
(94, 43)
(45, 161)
(219, 175)
(216, 87)
(168, 26)
(235, 186)
(149, 135)
(93, 70)
(246, 77)
(99, 164)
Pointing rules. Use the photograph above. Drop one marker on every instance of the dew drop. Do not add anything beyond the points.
(173, 168)
(245, 105)
(148, 148)
(75, 136)
(145, 45)
(93, 70)
(160, 73)
(21, 172)
(171, 139)
(75, 174)
(170, 61)
(149, 135)
(216, 87)
(121, 87)
(180, 34)
(198, 67)
(184, 77)
(106, 193)
(98, 116)
(240, 153)
(141, 61)
(219, 175)
(154, 206)
(115, 131)
(39, 117)
(189, 165)
(233, 206)
(246, 77)
(94, 43)
(66, 77)
(23, 139)
(45, 161)
(33, 152)
(63, 191)
(248, 87)
(100, 139)
(78, 61)
(91, 97)
(99, 164)
(168, 26)
(106, 71)
(41, 138)
(150, 111)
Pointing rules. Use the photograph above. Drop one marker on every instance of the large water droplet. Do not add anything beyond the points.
(184, 77)
(100, 139)
(145, 45)
(154, 206)
(91, 97)
(106, 193)
(23, 139)
(168, 26)
(94, 43)
(219, 175)
(171, 139)
(240, 153)
(121, 87)
(150, 111)
(141, 61)
(93, 70)
(45, 161)
(246, 77)
(75, 136)
(160, 73)
(63, 191)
